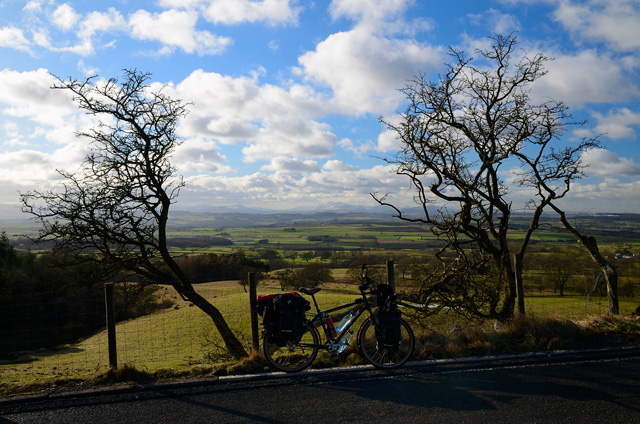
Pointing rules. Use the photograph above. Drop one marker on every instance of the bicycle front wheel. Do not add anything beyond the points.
(291, 356)
(386, 357)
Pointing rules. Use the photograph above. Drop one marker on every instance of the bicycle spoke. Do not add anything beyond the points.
(386, 357)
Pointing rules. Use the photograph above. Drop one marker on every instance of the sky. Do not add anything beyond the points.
(285, 96)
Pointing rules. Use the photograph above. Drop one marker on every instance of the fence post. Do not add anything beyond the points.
(255, 339)
(517, 263)
(391, 276)
(111, 325)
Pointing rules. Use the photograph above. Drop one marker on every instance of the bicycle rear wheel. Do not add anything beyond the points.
(385, 357)
(293, 357)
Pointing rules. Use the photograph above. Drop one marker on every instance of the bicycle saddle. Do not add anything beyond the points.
(310, 291)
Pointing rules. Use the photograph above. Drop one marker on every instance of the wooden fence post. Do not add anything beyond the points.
(391, 277)
(111, 325)
(255, 339)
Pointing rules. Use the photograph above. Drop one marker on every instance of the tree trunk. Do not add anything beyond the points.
(517, 265)
(509, 297)
(611, 277)
(230, 340)
(610, 273)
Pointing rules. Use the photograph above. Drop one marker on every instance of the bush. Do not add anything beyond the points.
(311, 275)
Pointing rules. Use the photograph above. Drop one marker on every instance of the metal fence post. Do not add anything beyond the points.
(391, 277)
(255, 339)
(111, 325)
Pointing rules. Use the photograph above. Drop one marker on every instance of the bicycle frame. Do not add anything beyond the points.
(363, 305)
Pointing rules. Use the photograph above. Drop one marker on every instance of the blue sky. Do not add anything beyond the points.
(287, 94)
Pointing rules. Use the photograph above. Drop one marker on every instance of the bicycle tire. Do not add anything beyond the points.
(293, 357)
(386, 358)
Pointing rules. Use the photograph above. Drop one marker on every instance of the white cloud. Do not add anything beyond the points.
(608, 195)
(586, 77)
(368, 10)
(271, 121)
(364, 71)
(360, 149)
(175, 28)
(200, 155)
(606, 163)
(65, 17)
(613, 22)
(617, 123)
(93, 24)
(291, 136)
(336, 183)
(500, 23)
(86, 70)
(33, 6)
(13, 38)
(338, 166)
(29, 95)
(289, 164)
(380, 17)
(31, 169)
(272, 12)
(101, 22)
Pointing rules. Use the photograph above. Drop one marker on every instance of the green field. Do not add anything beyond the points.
(182, 337)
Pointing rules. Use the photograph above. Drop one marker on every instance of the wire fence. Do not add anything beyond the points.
(46, 336)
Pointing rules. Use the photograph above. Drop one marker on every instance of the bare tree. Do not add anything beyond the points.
(460, 136)
(116, 208)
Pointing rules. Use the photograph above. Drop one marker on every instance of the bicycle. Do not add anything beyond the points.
(294, 356)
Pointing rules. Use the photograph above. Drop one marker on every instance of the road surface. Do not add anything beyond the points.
(568, 391)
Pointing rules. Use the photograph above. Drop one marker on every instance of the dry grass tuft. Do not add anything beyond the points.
(125, 374)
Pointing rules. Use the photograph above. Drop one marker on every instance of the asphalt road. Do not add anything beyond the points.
(565, 390)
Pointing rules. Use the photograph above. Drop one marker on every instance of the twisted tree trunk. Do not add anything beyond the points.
(608, 270)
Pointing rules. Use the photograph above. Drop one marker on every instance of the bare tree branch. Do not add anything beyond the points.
(459, 136)
(117, 205)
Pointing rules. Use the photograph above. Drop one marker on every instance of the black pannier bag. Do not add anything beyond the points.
(283, 316)
(387, 318)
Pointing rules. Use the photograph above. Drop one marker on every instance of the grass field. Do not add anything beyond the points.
(182, 338)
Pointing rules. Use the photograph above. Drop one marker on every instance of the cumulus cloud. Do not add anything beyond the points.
(585, 77)
(607, 195)
(364, 67)
(615, 124)
(13, 38)
(272, 12)
(200, 155)
(176, 29)
(29, 95)
(612, 22)
(271, 121)
(289, 164)
(33, 169)
(606, 163)
(367, 10)
(65, 17)
(291, 136)
(89, 28)
(364, 71)
(335, 184)
(339, 166)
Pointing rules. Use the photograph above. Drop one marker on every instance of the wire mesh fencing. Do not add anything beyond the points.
(46, 336)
